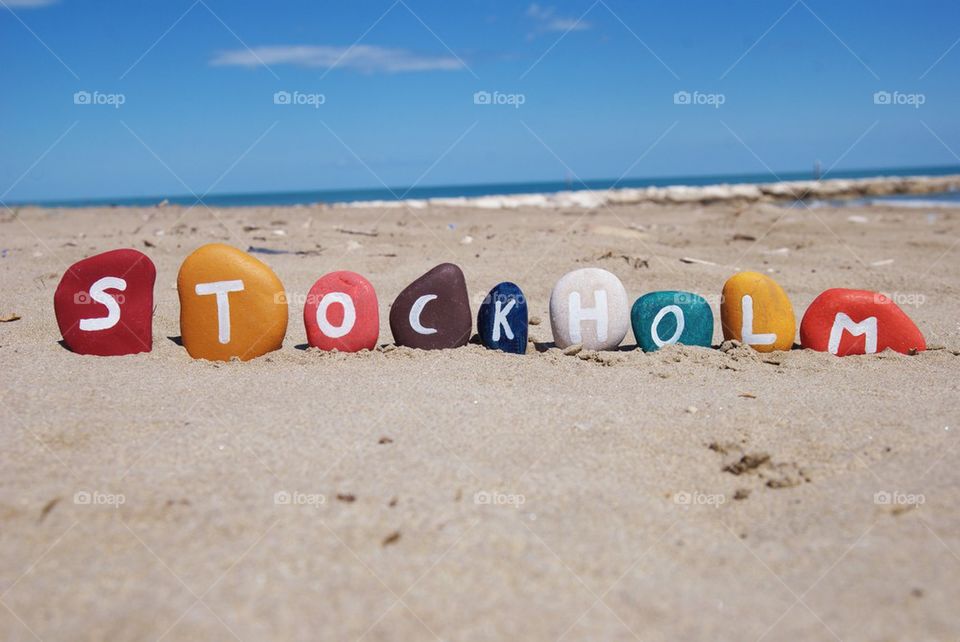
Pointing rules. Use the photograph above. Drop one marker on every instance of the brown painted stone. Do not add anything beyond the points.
(433, 312)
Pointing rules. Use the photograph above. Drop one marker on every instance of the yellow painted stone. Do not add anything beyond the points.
(231, 305)
(756, 311)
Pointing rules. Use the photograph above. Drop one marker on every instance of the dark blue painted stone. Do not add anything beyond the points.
(697, 319)
(502, 314)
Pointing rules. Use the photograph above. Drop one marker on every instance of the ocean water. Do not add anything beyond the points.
(933, 201)
(919, 201)
(491, 189)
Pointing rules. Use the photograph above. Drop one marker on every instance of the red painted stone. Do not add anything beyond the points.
(349, 318)
(104, 304)
(831, 321)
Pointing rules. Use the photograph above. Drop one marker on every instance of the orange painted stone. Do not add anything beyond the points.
(845, 322)
(756, 311)
(231, 305)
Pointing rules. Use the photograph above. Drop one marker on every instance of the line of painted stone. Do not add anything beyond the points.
(232, 305)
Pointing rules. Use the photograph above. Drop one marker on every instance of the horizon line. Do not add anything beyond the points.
(392, 193)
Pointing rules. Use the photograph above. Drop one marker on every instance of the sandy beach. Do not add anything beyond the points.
(472, 495)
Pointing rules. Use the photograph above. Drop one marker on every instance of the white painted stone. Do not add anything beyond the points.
(589, 307)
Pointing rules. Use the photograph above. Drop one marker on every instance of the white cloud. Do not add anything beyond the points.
(28, 4)
(364, 58)
(548, 20)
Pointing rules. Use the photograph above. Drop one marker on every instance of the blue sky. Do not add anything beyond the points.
(597, 81)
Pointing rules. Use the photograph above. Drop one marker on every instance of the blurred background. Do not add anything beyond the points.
(106, 100)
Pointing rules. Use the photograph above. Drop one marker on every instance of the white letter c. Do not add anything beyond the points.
(417, 310)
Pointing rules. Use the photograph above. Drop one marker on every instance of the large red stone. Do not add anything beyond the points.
(349, 318)
(104, 304)
(833, 317)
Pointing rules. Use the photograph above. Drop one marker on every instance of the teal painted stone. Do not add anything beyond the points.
(663, 318)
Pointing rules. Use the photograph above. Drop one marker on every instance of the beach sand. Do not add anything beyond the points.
(684, 494)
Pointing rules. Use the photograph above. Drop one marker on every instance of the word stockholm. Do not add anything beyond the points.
(233, 306)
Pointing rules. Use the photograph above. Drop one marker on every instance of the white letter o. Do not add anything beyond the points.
(349, 315)
(655, 334)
